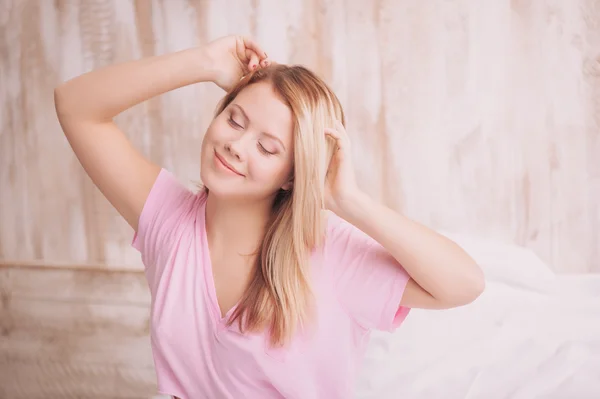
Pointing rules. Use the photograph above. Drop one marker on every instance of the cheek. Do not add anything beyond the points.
(219, 130)
(205, 148)
(212, 132)
(271, 172)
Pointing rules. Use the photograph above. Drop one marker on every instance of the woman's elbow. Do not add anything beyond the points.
(474, 285)
(477, 284)
(467, 289)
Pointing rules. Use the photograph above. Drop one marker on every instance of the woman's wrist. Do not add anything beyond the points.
(203, 64)
(194, 66)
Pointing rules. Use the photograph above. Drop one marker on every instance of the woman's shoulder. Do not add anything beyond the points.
(171, 202)
(339, 228)
(333, 223)
(173, 189)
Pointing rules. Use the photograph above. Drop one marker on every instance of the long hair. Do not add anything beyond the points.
(279, 298)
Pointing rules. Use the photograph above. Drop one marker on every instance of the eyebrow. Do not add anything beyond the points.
(272, 136)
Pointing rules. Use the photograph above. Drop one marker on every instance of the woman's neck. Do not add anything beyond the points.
(235, 225)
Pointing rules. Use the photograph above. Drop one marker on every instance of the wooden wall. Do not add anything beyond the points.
(74, 333)
(478, 117)
(472, 116)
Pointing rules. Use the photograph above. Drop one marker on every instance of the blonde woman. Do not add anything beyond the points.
(266, 282)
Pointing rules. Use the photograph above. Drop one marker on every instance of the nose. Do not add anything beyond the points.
(233, 148)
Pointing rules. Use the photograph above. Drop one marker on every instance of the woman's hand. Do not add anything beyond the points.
(341, 189)
(232, 57)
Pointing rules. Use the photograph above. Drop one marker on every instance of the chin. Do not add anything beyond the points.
(221, 187)
(211, 180)
(232, 190)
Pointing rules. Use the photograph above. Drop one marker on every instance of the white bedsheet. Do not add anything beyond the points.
(531, 334)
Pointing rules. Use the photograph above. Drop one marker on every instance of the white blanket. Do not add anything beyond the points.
(531, 334)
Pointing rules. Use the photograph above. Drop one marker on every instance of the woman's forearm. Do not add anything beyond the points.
(436, 263)
(100, 95)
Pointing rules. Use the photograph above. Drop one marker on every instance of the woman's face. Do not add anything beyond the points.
(247, 151)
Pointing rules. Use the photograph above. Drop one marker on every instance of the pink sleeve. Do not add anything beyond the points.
(368, 280)
(164, 215)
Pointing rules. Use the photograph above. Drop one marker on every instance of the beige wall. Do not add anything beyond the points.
(479, 117)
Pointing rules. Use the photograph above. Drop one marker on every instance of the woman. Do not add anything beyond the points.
(266, 282)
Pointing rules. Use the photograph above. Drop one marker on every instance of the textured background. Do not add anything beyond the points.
(479, 117)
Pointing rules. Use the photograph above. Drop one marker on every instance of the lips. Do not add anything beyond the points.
(226, 164)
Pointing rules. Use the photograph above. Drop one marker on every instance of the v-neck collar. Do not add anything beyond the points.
(209, 278)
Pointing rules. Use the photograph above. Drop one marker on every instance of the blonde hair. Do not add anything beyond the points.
(279, 297)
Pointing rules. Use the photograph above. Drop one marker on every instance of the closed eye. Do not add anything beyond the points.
(234, 123)
(264, 150)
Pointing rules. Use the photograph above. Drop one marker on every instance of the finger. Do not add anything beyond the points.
(252, 45)
(240, 51)
(253, 62)
(341, 129)
(334, 134)
(339, 125)
(265, 63)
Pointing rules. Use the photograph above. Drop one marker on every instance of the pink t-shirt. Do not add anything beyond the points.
(357, 284)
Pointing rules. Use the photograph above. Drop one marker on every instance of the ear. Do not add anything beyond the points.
(288, 185)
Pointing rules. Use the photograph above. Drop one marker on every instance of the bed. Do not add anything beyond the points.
(531, 334)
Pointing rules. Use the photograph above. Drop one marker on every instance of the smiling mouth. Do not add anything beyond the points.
(226, 165)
